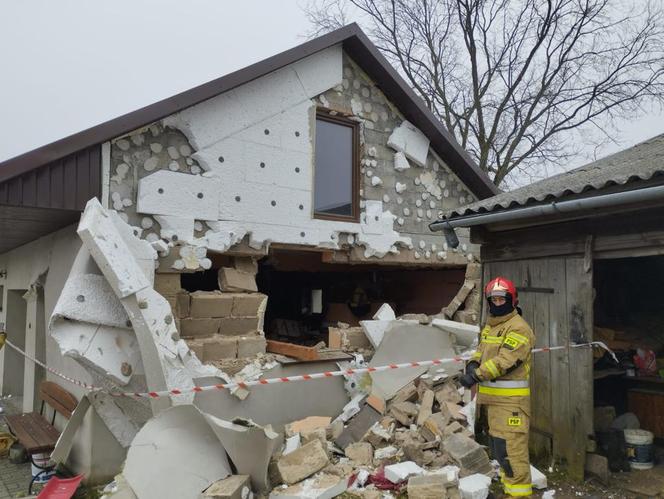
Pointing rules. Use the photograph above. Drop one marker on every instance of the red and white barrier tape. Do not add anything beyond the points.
(289, 379)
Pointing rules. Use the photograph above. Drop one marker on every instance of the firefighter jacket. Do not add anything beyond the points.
(504, 357)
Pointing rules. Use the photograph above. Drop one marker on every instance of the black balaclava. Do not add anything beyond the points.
(504, 309)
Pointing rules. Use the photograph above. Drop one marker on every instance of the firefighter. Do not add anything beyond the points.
(501, 367)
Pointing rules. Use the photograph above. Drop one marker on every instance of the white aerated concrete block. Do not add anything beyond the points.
(538, 478)
(179, 194)
(411, 141)
(397, 473)
(474, 486)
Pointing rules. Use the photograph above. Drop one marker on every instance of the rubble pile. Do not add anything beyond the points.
(422, 446)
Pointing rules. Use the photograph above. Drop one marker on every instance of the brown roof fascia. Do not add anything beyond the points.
(354, 41)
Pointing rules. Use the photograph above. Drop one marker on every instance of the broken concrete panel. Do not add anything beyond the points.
(259, 99)
(322, 486)
(176, 228)
(358, 426)
(385, 313)
(408, 343)
(466, 334)
(249, 446)
(247, 304)
(411, 141)
(110, 252)
(64, 444)
(208, 304)
(179, 195)
(180, 444)
(233, 280)
(233, 487)
(303, 462)
(325, 397)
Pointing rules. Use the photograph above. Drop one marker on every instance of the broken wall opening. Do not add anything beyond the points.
(306, 294)
(629, 318)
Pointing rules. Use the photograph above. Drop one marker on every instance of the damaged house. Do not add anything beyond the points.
(267, 211)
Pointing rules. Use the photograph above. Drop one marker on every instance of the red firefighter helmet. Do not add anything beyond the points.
(502, 287)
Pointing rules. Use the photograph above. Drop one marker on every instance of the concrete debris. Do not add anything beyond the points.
(292, 443)
(303, 462)
(234, 280)
(427, 487)
(598, 466)
(474, 486)
(309, 424)
(249, 446)
(322, 486)
(385, 453)
(397, 473)
(465, 334)
(361, 453)
(358, 426)
(233, 487)
(467, 453)
(375, 330)
(459, 299)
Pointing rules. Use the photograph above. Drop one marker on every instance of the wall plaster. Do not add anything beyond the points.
(239, 168)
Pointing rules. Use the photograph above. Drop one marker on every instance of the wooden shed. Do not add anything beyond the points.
(586, 251)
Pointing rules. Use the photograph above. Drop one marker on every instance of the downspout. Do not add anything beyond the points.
(553, 208)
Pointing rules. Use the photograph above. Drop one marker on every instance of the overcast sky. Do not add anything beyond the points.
(66, 65)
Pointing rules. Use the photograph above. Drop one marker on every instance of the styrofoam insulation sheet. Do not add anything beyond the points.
(179, 195)
(407, 138)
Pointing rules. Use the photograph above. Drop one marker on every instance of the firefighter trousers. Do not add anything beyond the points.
(508, 429)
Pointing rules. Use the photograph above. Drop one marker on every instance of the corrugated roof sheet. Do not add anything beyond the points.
(640, 162)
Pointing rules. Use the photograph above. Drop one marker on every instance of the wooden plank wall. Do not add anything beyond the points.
(556, 299)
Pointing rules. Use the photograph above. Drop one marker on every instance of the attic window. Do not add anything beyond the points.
(337, 172)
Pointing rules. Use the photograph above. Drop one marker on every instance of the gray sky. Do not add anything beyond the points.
(67, 65)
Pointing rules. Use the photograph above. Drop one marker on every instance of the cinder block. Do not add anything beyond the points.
(238, 326)
(205, 304)
(183, 305)
(248, 346)
(245, 264)
(219, 347)
(234, 280)
(167, 284)
(199, 328)
(233, 487)
(247, 304)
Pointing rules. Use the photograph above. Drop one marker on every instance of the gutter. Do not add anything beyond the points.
(553, 208)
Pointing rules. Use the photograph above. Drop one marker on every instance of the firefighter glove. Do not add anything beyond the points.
(468, 380)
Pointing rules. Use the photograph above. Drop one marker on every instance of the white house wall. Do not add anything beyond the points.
(240, 168)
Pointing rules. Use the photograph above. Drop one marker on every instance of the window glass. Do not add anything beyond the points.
(333, 194)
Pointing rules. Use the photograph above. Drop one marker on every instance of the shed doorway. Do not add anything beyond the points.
(629, 318)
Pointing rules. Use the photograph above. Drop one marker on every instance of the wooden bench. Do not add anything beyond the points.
(32, 430)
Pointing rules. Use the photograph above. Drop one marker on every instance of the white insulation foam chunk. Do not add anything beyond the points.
(176, 228)
(397, 473)
(538, 478)
(409, 140)
(475, 486)
(385, 313)
(179, 194)
(110, 251)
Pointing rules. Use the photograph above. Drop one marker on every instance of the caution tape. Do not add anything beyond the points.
(290, 379)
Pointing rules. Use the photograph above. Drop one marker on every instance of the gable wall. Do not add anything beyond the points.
(240, 168)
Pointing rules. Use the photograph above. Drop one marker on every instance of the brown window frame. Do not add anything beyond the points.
(325, 115)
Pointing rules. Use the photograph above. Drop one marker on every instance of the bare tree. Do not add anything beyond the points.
(520, 83)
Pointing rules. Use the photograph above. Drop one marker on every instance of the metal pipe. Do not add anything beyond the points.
(553, 208)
